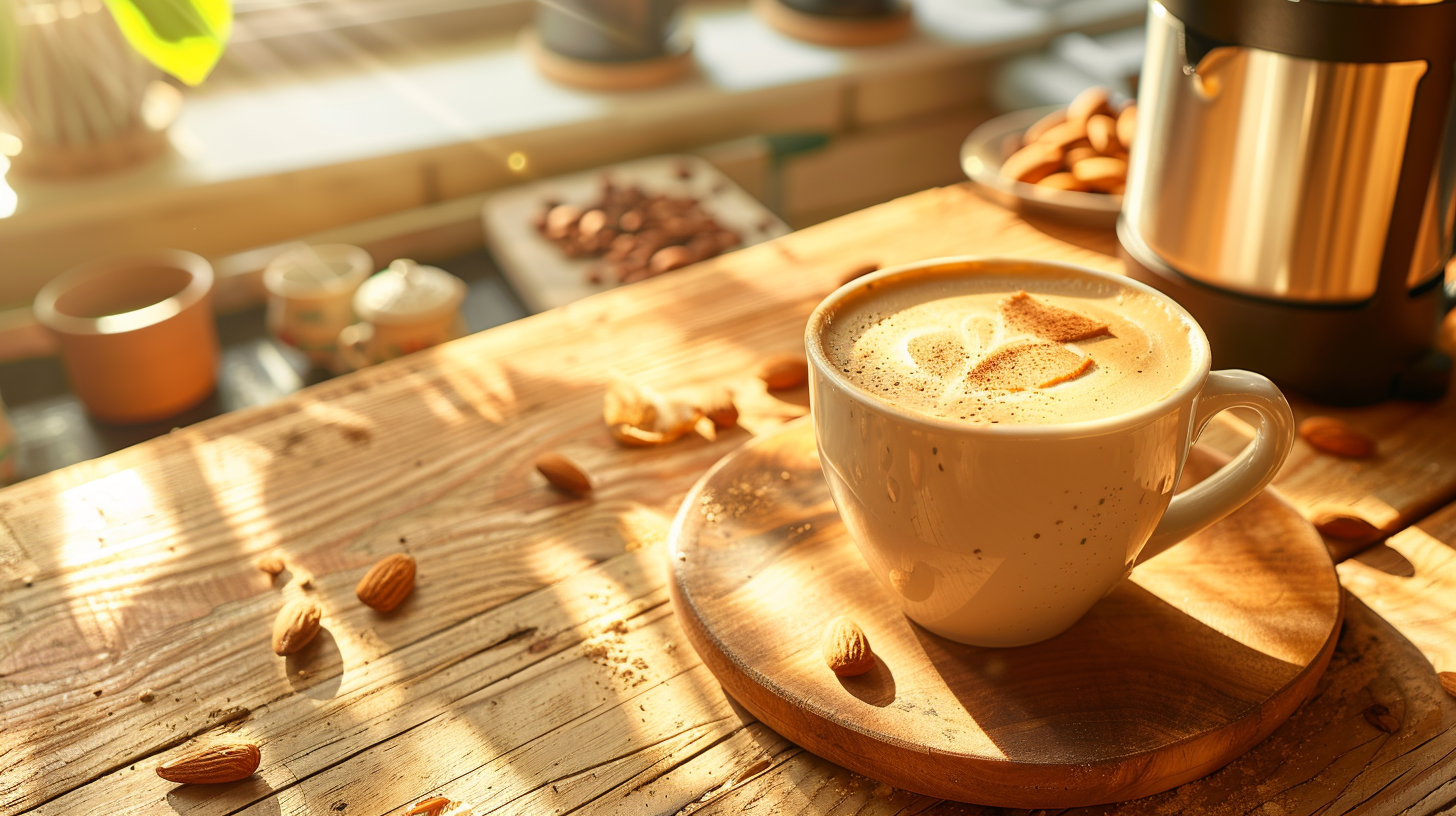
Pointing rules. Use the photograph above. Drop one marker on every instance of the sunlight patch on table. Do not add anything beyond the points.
(95, 516)
(483, 385)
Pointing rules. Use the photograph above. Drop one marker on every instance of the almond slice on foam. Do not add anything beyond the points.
(1023, 365)
(1024, 313)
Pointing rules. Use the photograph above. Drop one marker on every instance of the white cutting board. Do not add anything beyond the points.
(542, 274)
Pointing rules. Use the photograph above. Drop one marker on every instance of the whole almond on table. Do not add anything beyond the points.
(271, 564)
(387, 583)
(846, 649)
(213, 765)
(716, 403)
(784, 371)
(295, 626)
(1337, 437)
(563, 474)
(428, 807)
(1448, 682)
(1380, 717)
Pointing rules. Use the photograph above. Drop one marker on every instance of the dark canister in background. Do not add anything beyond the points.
(610, 44)
(1292, 186)
(838, 23)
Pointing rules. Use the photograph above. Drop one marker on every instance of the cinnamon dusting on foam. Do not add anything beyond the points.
(1022, 364)
(1035, 316)
(1023, 346)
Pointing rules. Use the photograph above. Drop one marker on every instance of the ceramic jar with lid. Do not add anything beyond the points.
(405, 308)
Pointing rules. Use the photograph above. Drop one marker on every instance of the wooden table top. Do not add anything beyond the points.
(537, 667)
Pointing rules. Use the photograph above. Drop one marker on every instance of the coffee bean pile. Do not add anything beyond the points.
(636, 233)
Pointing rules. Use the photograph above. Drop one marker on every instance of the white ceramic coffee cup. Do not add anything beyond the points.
(1004, 535)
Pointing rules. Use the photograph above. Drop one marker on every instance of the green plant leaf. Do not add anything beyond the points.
(185, 38)
(9, 50)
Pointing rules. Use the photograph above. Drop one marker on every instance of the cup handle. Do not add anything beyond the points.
(1200, 506)
(350, 349)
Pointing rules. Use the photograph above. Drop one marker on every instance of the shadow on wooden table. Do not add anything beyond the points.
(1097, 239)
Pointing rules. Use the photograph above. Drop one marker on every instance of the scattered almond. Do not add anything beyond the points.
(1336, 437)
(428, 807)
(717, 404)
(295, 626)
(1345, 526)
(213, 765)
(784, 371)
(637, 415)
(1448, 682)
(563, 474)
(387, 583)
(705, 428)
(845, 648)
(271, 564)
(1380, 717)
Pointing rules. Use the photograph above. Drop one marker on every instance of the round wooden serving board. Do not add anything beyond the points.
(1202, 653)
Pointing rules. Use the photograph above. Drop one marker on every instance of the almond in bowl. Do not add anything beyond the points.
(1082, 148)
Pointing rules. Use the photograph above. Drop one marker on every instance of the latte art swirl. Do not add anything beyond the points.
(1037, 348)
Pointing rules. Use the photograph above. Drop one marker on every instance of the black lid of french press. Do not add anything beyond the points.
(1321, 29)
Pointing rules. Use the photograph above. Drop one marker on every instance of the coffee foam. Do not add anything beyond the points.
(967, 345)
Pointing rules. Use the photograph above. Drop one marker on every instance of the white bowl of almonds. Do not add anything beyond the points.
(1068, 163)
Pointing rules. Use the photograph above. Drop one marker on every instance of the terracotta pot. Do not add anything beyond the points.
(137, 333)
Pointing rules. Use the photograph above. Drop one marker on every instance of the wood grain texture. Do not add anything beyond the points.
(1201, 655)
(134, 572)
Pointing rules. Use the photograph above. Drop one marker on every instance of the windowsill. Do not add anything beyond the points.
(433, 126)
